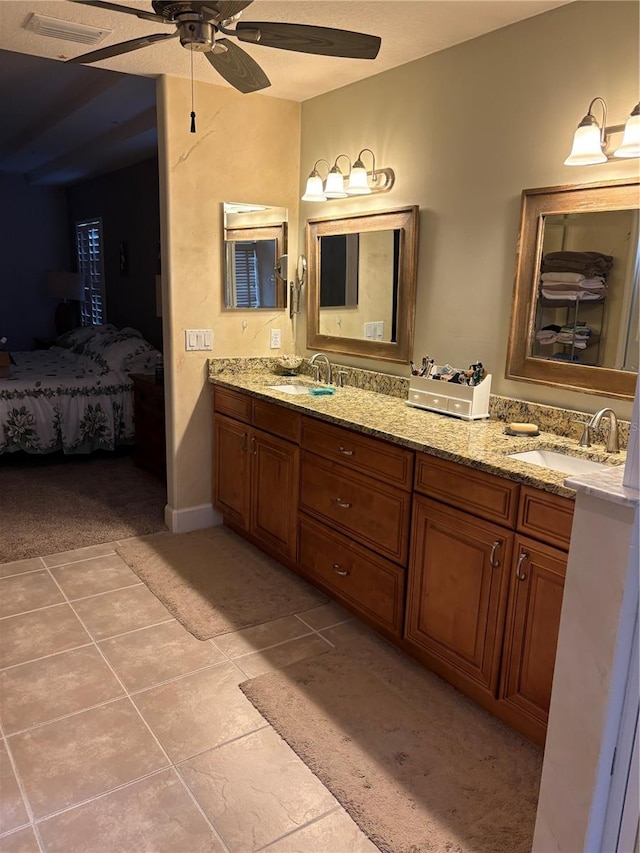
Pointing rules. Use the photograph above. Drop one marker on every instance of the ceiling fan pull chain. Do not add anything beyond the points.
(193, 113)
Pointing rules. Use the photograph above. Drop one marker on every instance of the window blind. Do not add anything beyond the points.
(91, 264)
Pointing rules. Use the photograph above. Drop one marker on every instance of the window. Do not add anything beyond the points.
(90, 262)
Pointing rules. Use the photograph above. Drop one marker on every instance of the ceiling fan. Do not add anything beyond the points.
(198, 24)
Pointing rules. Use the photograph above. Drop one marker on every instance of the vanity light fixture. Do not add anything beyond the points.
(361, 182)
(591, 138)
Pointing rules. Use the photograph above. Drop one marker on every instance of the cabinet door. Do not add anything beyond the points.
(231, 469)
(533, 620)
(274, 493)
(457, 591)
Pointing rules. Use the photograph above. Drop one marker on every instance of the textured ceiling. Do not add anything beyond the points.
(71, 121)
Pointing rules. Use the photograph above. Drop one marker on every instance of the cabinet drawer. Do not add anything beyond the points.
(371, 456)
(231, 403)
(459, 407)
(374, 513)
(545, 516)
(275, 419)
(477, 492)
(361, 579)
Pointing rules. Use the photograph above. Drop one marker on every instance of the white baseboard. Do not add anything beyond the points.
(192, 518)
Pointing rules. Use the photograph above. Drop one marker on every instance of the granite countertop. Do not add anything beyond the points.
(480, 444)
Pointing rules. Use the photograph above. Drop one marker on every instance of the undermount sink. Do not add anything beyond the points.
(561, 462)
(292, 388)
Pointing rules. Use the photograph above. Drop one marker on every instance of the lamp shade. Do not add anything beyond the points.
(314, 190)
(334, 185)
(630, 146)
(587, 147)
(66, 285)
(358, 180)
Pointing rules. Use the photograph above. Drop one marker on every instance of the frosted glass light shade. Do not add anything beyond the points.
(587, 147)
(334, 185)
(314, 190)
(630, 146)
(358, 180)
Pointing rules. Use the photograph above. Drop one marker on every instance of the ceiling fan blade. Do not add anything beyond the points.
(114, 7)
(123, 47)
(238, 68)
(225, 9)
(305, 38)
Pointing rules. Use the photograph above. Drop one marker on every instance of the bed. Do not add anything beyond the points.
(77, 396)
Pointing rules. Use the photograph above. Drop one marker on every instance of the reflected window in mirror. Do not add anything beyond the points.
(362, 279)
(255, 239)
(575, 310)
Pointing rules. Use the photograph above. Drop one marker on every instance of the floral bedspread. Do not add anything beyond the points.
(56, 400)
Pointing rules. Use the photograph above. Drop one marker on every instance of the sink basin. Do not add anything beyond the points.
(559, 461)
(292, 388)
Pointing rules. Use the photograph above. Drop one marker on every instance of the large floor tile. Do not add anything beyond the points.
(12, 811)
(74, 759)
(117, 612)
(43, 632)
(282, 655)
(61, 684)
(255, 789)
(199, 711)
(79, 554)
(98, 574)
(261, 636)
(147, 657)
(22, 841)
(155, 815)
(335, 832)
(17, 567)
(28, 592)
(325, 616)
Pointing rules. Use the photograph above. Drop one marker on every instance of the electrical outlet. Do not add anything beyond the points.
(276, 339)
(198, 339)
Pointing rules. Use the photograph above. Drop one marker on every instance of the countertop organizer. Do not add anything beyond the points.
(469, 402)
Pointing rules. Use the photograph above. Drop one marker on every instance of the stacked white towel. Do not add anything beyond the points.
(572, 286)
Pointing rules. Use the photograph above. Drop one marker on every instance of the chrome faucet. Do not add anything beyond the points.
(320, 356)
(613, 440)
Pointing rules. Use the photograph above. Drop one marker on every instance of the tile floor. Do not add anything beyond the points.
(122, 733)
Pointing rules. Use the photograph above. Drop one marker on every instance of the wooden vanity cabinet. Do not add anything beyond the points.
(255, 484)
(355, 509)
(457, 593)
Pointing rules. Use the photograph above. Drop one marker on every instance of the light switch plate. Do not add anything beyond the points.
(198, 339)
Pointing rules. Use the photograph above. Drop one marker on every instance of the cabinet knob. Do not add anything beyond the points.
(492, 558)
(520, 574)
(342, 572)
(343, 504)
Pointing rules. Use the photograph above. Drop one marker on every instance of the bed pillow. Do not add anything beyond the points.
(126, 350)
(82, 335)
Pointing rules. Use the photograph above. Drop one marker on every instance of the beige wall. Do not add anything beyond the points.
(466, 130)
(246, 149)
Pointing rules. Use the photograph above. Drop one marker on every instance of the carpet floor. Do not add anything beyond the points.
(53, 504)
(214, 582)
(418, 766)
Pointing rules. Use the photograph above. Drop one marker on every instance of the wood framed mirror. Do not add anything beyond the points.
(362, 271)
(574, 320)
(255, 241)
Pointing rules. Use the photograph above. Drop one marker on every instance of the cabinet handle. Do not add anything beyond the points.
(244, 442)
(344, 451)
(342, 572)
(519, 574)
(492, 558)
(254, 442)
(342, 504)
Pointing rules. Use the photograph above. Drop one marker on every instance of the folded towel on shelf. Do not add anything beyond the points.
(574, 277)
(572, 295)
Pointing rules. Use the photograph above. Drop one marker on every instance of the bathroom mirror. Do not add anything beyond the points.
(255, 242)
(574, 319)
(362, 281)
